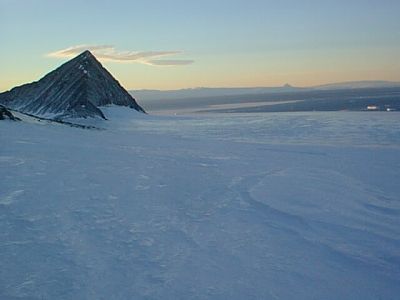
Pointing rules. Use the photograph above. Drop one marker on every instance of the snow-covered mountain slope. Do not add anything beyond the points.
(76, 89)
(275, 206)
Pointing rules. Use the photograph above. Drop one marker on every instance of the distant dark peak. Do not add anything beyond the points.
(287, 85)
(78, 88)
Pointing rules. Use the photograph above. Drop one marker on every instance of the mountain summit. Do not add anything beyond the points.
(76, 89)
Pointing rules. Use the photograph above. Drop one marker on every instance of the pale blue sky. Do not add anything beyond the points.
(231, 43)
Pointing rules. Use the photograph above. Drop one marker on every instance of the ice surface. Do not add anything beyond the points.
(274, 206)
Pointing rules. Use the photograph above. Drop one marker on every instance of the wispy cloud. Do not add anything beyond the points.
(169, 62)
(109, 53)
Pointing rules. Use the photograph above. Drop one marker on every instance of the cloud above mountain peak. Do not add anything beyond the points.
(109, 53)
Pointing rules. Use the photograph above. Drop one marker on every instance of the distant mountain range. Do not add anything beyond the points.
(204, 92)
(78, 88)
(358, 85)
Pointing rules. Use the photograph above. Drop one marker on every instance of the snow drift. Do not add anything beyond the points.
(277, 206)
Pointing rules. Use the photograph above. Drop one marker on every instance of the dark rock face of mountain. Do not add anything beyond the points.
(76, 89)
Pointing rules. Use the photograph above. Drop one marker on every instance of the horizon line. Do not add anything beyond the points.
(286, 85)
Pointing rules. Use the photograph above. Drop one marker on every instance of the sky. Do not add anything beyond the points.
(177, 44)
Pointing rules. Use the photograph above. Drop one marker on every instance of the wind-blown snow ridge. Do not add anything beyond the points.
(76, 89)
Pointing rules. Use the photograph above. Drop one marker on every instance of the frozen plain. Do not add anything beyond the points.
(258, 206)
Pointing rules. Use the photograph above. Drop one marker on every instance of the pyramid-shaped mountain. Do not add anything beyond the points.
(76, 89)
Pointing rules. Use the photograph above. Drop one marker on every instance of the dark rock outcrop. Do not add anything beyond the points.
(5, 113)
(76, 89)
